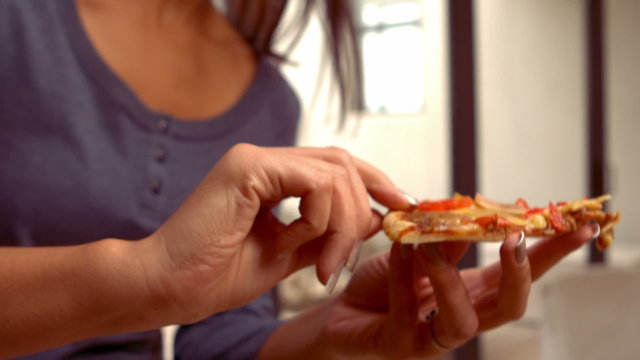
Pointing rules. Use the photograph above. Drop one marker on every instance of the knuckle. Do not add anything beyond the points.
(243, 149)
(340, 154)
(315, 227)
(340, 173)
(323, 180)
(244, 153)
(465, 330)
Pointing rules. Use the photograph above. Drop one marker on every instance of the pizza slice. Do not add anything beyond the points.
(463, 218)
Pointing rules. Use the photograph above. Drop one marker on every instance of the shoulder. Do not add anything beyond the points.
(22, 20)
(30, 28)
(14, 12)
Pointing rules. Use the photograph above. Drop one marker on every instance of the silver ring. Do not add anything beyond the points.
(596, 229)
(429, 319)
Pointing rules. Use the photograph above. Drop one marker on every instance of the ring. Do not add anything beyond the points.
(429, 319)
(596, 229)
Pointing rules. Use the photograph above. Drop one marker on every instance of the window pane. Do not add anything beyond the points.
(394, 70)
(393, 44)
(401, 12)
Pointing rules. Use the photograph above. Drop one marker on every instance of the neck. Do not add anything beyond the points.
(160, 13)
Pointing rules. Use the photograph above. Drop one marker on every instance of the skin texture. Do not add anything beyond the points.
(179, 57)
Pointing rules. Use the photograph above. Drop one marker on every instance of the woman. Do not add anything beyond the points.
(122, 119)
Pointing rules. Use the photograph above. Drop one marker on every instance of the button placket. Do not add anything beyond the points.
(156, 168)
(163, 124)
(160, 153)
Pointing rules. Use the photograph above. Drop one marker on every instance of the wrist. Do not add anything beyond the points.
(161, 293)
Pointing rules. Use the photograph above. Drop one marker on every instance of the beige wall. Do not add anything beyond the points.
(530, 88)
(623, 113)
(530, 67)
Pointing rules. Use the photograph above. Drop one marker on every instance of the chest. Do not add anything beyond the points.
(71, 174)
(194, 69)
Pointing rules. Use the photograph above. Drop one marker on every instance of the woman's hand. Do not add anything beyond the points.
(223, 247)
(388, 308)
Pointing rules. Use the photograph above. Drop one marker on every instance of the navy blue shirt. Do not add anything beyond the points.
(82, 159)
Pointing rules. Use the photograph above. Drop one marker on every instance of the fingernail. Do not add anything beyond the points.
(353, 256)
(333, 279)
(405, 251)
(410, 199)
(596, 230)
(521, 250)
(435, 254)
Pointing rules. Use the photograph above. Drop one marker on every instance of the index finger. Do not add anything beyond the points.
(380, 186)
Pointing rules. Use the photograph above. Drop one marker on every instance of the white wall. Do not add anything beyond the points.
(531, 94)
(531, 100)
(623, 113)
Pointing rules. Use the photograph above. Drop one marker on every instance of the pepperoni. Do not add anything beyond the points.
(556, 219)
(533, 211)
(523, 203)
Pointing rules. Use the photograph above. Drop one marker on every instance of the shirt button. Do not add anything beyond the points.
(163, 124)
(155, 185)
(160, 153)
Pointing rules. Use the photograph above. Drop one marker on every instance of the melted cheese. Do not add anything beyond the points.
(475, 212)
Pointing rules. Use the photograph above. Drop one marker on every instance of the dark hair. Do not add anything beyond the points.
(257, 21)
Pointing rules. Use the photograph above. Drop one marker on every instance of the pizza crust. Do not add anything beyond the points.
(403, 231)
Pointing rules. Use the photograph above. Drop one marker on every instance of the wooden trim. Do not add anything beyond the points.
(463, 128)
(595, 108)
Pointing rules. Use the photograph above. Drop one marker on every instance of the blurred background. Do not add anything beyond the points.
(529, 79)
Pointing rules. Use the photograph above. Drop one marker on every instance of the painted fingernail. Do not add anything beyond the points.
(333, 279)
(596, 230)
(435, 254)
(405, 251)
(521, 249)
(410, 199)
(353, 256)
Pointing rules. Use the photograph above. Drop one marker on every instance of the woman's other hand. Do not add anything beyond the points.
(416, 303)
(223, 246)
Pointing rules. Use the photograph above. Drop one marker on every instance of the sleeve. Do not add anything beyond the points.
(234, 334)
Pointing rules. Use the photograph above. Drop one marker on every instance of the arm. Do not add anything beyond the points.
(221, 249)
(52, 296)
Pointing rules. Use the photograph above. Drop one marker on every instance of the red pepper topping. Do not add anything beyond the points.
(523, 203)
(447, 204)
(557, 221)
(491, 221)
(534, 211)
(485, 221)
(502, 222)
